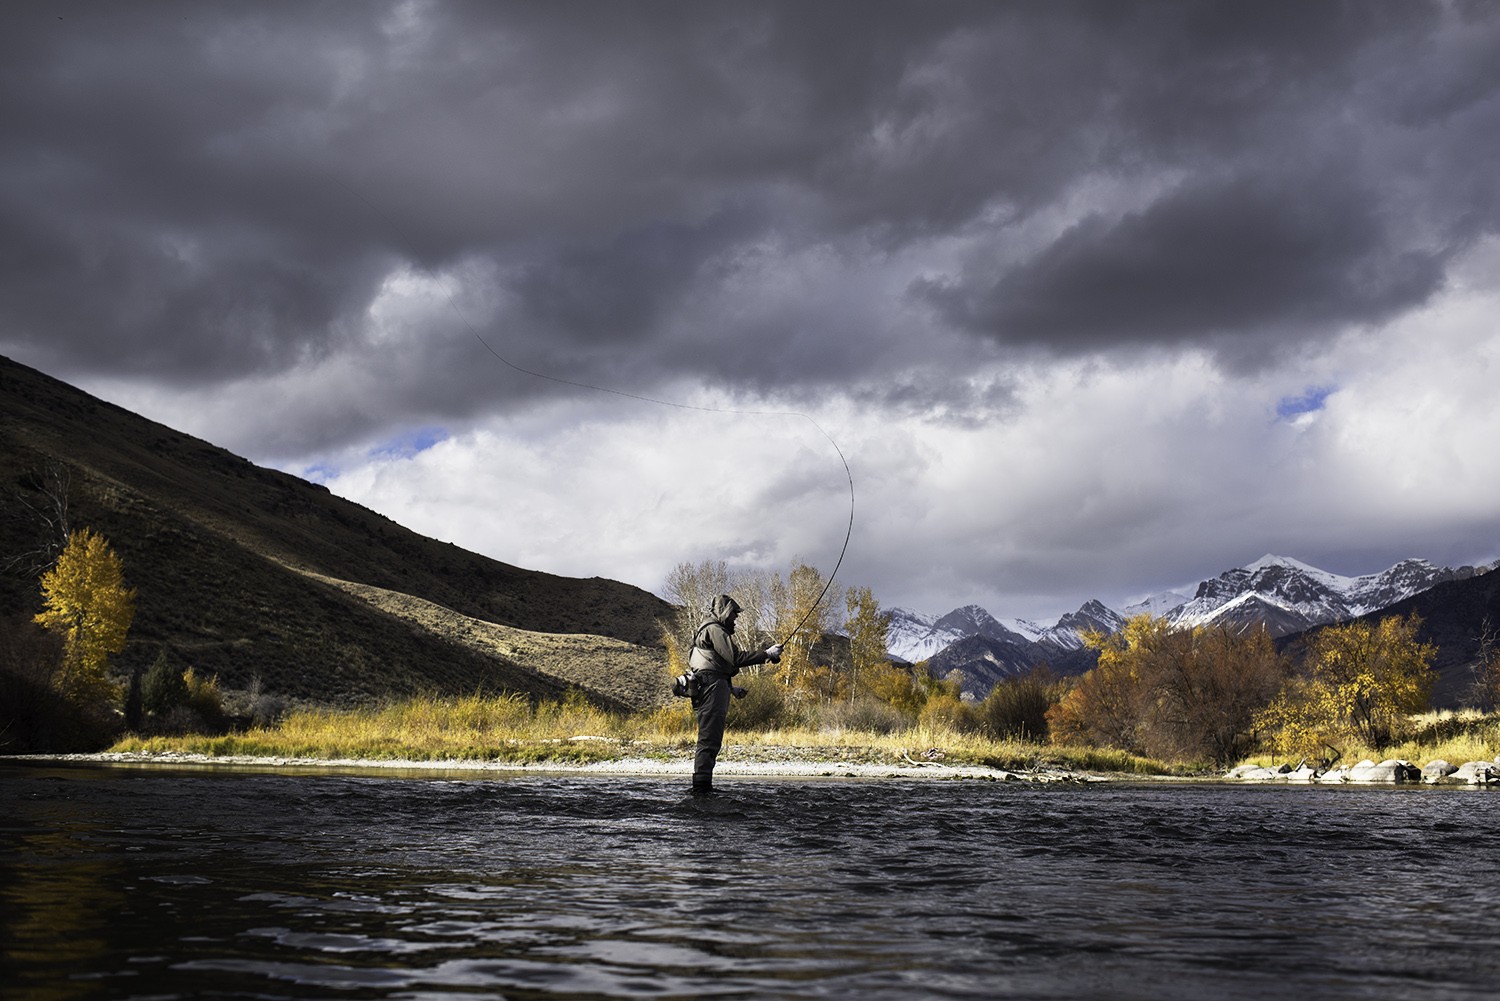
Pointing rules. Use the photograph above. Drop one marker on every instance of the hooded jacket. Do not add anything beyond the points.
(714, 649)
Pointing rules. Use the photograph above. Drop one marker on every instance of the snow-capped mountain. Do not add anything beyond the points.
(914, 637)
(1092, 616)
(986, 649)
(1288, 595)
(1157, 604)
(1283, 594)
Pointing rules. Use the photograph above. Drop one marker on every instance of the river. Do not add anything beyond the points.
(124, 882)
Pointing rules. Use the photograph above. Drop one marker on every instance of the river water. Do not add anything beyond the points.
(146, 883)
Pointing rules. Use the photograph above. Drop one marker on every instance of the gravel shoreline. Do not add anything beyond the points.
(638, 767)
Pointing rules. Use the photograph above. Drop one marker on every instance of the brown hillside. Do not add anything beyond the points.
(249, 572)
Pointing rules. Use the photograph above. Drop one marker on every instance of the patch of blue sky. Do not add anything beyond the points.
(410, 443)
(1313, 399)
(320, 473)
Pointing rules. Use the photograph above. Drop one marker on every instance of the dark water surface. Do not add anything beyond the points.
(128, 883)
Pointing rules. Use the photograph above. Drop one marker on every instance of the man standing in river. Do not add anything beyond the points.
(715, 658)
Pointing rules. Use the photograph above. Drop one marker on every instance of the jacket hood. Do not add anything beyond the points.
(720, 609)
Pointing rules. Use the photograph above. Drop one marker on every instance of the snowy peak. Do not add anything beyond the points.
(1092, 616)
(1157, 605)
(1287, 595)
(1283, 594)
(970, 620)
(916, 637)
(1270, 561)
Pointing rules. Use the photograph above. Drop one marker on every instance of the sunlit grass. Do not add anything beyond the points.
(508, 729)
(1454, 737)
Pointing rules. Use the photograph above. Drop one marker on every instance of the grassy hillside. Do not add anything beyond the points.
(251, 573)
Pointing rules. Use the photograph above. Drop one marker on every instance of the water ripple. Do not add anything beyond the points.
(152, 884)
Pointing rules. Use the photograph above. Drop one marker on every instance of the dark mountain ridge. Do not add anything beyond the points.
(1455, 616)
(250, 573)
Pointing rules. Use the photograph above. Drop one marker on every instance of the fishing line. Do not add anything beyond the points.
(848, 532)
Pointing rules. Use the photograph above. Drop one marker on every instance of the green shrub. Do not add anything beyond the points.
(205, 699)
(163, 687)
(1016, 708)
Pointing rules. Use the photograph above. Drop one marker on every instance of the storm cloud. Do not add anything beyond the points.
(306, 230)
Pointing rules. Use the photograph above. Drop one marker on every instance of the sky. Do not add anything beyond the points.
(1096, 300)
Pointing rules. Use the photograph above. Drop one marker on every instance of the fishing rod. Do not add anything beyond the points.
(848, 531)
(464, 319)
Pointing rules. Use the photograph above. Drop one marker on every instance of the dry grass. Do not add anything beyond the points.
(507, 728)
(1447, 735)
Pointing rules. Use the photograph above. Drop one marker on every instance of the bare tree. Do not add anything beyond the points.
(1484, 689)
(41, 498)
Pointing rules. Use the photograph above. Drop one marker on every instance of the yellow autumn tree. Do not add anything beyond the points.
(87, 604)
(869, 630)
(1361, 682)
(803, 614)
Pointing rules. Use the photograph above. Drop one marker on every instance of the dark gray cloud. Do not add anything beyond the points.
(1205, 262)
(205, 192)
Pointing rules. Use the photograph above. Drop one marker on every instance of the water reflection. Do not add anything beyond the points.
(128, 883)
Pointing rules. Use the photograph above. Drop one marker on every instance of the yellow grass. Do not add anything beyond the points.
(506, 728)
(1454, 737)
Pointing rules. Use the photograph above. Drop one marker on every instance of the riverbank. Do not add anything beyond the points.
(758, 762)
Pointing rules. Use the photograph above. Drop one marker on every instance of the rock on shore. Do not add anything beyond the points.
(1391, 770)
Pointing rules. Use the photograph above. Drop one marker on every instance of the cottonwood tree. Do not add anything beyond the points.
(1360, 681)
(86, 603)
(1206, 686)
(1183, 694)
(869, 635)
(1107, 707)
(803, 613)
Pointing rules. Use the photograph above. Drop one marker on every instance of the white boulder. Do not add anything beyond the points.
(1477, 773)
(1437, 770)
(1389, 770)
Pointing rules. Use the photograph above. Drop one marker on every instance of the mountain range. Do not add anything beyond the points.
(1285, 595)
(271, 582)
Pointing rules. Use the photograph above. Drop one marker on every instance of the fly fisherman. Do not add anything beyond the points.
(715, 659)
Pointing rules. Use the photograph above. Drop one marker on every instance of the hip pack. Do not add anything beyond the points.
(700, 658)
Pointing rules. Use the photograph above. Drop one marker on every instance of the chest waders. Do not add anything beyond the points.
(711, 706)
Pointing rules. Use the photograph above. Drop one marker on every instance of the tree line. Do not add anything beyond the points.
(1205, 694)
(1209, 694)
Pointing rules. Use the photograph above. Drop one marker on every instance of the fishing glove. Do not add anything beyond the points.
(773, 653)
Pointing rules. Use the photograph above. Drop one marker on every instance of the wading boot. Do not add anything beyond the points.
(702, 788)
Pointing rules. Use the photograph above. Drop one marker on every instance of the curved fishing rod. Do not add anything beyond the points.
(848, 532)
